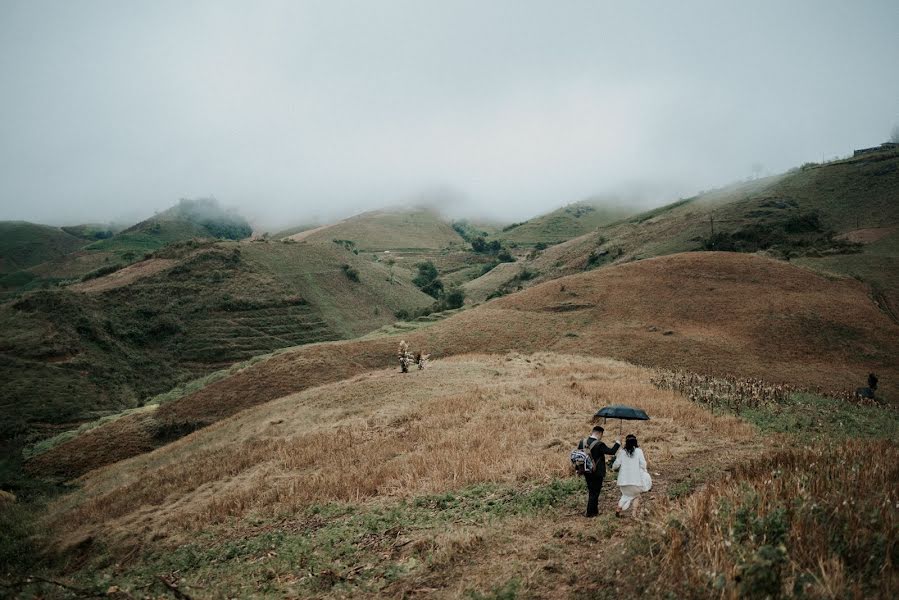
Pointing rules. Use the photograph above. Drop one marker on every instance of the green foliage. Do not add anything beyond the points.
(811, 417)
(454, 298)
(208, 214)
(795, 234)
(427, 280)
(104, 270)
(348, 245)
(467, 231)
(351, 273)
(487, 267)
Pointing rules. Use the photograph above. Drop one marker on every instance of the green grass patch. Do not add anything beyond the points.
(810, 417)
(334, 548)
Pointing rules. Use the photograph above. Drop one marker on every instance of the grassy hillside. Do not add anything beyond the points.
(186, 220)
(817, 214)
(24, 245)
(112, 341)
(717, 313)
(564, 223)
(412, 229)
(254, 506)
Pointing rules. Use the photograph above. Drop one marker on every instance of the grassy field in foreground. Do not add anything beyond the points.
(253, 507)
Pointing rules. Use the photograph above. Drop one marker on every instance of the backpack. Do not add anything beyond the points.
(581, 458)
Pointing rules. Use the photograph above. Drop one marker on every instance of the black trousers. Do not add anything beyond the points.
(594, 486)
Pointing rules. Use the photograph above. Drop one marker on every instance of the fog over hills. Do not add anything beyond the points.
(298, 112)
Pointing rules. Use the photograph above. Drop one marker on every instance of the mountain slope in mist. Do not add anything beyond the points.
(817, 215)
(716, 313)
(565, 223)
(112, 341)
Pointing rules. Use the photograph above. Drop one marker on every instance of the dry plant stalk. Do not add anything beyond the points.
(818, 522)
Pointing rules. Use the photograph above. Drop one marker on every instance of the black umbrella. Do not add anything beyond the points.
(624, 413)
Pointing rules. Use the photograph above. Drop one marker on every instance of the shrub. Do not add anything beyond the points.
(427, 280)
(104, 270)
(488, 267)
(351, 273)
(455, 298)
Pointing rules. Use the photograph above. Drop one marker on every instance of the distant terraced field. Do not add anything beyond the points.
(111, 342)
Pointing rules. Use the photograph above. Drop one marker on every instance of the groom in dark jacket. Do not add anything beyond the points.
(594, 480)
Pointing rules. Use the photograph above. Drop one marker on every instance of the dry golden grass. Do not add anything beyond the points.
(817, 522)
(381, 435)
(721, 314)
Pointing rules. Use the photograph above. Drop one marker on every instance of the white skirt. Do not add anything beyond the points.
(629, 493)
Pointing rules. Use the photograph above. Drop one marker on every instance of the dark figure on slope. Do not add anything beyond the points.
(868, 392)
(595, 471)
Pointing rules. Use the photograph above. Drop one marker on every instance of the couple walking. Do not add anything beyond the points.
(633, 478)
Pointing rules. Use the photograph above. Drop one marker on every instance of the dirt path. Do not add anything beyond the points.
(564, 554)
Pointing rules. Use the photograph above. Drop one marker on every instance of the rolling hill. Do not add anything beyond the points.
(112, 341)
(565, 223)
(24, 245)
(722, 314)
(396, 229)
(90, 250)
(816, 215)
(254, 504)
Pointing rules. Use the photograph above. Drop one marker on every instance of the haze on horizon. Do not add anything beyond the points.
(298, 110)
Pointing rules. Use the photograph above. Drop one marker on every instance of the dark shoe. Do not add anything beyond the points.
(590, 516)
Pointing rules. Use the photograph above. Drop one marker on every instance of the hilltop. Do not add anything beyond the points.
(70, 253)
(723, 314)
(112, 341)
(26, 244)
(840, 217)
(565, 223)
(396, 229)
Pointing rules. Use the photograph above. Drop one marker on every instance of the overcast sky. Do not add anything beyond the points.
(299, 109)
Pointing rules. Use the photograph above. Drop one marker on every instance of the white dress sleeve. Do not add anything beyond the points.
(642, 461)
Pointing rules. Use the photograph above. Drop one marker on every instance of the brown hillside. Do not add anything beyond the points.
(277, 459)
(715, 313)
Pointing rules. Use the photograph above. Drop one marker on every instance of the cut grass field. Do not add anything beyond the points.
(714, 313)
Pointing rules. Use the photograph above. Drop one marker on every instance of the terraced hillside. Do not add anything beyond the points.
(716, 313)
(115, 340)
